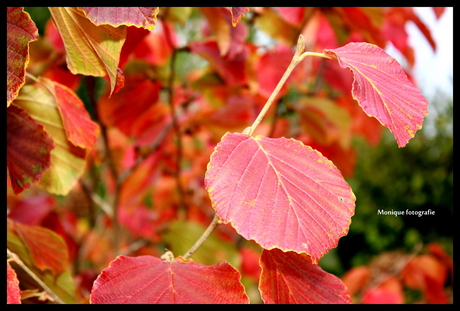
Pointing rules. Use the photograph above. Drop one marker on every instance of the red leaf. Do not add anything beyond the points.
(79, 127)
(250, 263)
(280, 193)
(28, 149)
(427, 273)
(121, 110)
(292, 15)
(231, 70)
(46, 248)
(144, 17)
(31, 210)
(389, 291)
(147, 279)
(382, 89)
(21, 30)
(12, 286)
(237, 14)
(356, 278)
(292, 278)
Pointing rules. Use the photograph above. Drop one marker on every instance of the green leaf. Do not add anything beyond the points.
(91, 50)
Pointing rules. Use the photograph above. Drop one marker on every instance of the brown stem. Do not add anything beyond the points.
(215, 222)
(19, 262)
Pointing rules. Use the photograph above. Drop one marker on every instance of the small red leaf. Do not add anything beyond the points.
(148, 280)
(382, 89)
(28, 149)
(21, 30)
(292, 278)
(280, 184)
(12, 286)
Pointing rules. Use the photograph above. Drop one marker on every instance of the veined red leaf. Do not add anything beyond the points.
(79, 127)
(21, 30)
(144, 17)
(91, 50)
(280, 193)
(47, 249)
(382, 89)
(28, 149)
(147, 279)
(13, 295)
(292, 278)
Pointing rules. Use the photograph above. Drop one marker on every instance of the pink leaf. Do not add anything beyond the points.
(382, 89)
(280, 193)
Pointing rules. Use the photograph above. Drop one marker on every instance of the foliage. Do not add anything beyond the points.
(135, 129)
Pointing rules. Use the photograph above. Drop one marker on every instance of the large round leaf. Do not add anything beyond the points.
(280, 193)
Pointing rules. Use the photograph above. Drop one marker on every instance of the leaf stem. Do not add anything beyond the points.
(18, 261)
(299, 55)
(215, 222)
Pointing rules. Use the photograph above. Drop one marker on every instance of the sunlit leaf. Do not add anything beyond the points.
(91, 50)
(28, 149)
(382, 89)
(21, 30)
(144, 17)
(281, 184)
(292, 278)
(79, 127)
(147, 279)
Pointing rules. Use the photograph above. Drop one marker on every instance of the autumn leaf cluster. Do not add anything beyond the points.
(116, 139)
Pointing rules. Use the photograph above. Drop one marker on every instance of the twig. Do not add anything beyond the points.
(215, 222)
(18, 261)
(299, 55)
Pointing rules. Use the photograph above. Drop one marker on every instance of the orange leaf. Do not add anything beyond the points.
(47, 249)
(79, 127)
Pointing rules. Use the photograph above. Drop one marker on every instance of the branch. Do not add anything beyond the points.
(299, 55)
(215, 222)
(18, 261)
